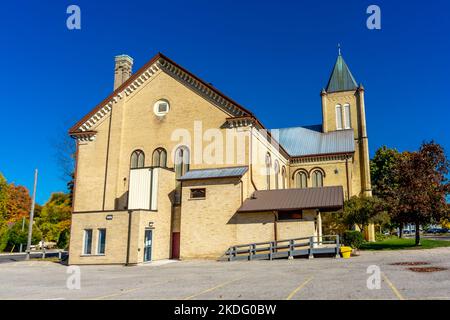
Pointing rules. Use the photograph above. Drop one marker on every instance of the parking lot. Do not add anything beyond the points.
(319, 278)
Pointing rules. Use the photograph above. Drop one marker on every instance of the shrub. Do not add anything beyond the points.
(4, 237)
(63, 240)
(17, 236)
(353, 239)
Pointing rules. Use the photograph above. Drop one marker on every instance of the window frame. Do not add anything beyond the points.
(193, 190)
(339, 120)
(315, 174)
(347, 120)
(137, 156)
(268, 167)
(298, 179)
(85, 242)
(276, 168)
(156, 108)
(99, 242)
(159, 152)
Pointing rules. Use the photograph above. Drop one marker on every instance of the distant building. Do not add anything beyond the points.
(141, 194)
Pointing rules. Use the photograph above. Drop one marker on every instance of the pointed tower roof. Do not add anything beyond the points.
(341, 78)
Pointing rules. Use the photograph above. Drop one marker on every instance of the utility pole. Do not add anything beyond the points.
(23, 228)
(30, 225)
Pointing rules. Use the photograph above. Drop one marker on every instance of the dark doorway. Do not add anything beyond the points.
(175, 245)
(148, 245)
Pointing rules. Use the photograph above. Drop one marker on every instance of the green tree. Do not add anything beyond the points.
(385, 184)
(54, 216)
(422, 185)
(16, 236)
(362, 210)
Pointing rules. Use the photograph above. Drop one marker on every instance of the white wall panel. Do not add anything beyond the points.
(140, 189)
(154, 193)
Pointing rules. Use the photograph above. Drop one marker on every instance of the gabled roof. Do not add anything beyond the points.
(214, 173)
(341, 78)
(158, 62)
(305, 141)
(326, 198)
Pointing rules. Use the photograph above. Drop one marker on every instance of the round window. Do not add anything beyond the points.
(161, 108)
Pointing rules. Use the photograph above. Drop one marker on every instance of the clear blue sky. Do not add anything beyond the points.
(271, 56)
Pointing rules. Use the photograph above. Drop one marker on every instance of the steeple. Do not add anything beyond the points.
(341, 78)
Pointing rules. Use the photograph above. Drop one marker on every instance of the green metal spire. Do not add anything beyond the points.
(341, 78)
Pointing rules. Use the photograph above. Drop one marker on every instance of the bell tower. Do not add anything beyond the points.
(343, 108)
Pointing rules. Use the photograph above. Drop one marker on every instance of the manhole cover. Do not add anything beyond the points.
(412, 263)
(427, 269)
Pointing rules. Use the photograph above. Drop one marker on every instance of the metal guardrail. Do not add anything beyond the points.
(306, 246)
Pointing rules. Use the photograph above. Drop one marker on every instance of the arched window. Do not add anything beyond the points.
(268, 165)
(276, 169)
(159, 158)
(137, 159)
(339, 117)
(347, 119)
(301, 180)
(317, 179)
(283, 177)
(181, 161)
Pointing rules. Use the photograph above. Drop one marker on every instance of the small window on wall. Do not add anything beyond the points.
(87, 245)
(159, 158)
(317, 178)
(276, 169)
(198, 193)
(161, 108)
(101, 241)
(301, 180)
(283, 177)
(347, 119)
(137, 159)
(290, 215)
(338, 117)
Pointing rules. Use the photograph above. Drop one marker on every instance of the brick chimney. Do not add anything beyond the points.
(122, 69)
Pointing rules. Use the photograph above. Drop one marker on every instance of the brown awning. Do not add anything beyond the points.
(325, 199)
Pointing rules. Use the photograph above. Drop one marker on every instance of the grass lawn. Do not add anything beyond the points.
(398, 244)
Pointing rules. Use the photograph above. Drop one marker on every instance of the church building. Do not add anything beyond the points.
(168, 167)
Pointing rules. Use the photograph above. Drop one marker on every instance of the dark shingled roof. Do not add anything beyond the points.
(214, 173)
(326, 198)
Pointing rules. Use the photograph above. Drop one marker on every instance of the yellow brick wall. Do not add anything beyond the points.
(208, 226)
(117, 231)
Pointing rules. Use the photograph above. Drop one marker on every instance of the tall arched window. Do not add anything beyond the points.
(347, 119)
(283, 177)
(137, 159)
(276, 169)
(317, 179)
(181, 161)
(301, 180)
(159, 158)
(339, 117)
(268, 166)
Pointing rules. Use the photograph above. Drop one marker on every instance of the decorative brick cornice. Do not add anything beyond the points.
(320, 158)
(84, 135)
(157, 63)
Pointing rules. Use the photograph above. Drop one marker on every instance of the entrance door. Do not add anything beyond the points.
(175, 245)
(148, 245)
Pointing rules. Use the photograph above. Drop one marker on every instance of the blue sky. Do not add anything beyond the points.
(271, 56)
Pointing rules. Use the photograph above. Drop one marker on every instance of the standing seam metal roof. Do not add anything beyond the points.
(331, 198)
(303, 141)
(214, 173)
(341, 78)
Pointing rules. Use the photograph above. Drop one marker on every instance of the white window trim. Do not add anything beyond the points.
(338, 111)
(98, 242)
(347, 118)
(156, 108)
